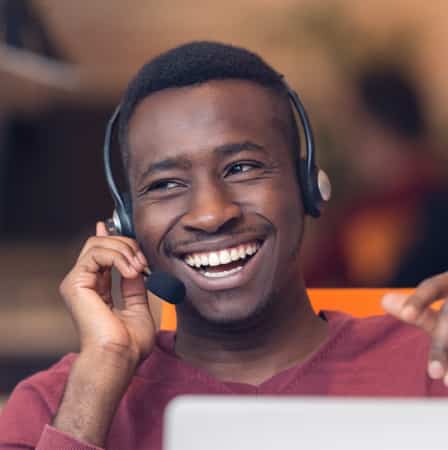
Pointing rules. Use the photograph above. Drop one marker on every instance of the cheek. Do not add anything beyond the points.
(286, 211)
(151, 224)
(281, 202)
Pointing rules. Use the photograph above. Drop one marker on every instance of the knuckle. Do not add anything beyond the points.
(133, 244)
(91, 241)
(122, 262)
(130, 247)
(88, 249)
(128, 242)
(66, 286)
(124, 248)
(120, 244)
(96, 250)
(63, 287)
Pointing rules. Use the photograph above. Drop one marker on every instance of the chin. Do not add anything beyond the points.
(232, 313)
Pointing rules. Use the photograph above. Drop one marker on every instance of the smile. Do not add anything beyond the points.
(224, 262)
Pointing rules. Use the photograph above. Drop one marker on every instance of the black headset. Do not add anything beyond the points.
(314, 183)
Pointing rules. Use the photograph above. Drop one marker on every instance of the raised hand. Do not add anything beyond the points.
(129, 331)
(113, 340)
(416, 309)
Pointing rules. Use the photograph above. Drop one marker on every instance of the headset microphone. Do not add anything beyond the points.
(165, 286)
(314, 183)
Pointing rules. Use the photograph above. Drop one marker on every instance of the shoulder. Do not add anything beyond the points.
(381, 333)
(50, 383)
(34, 402)
(381, 355)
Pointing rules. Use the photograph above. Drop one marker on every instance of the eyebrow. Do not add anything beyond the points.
(234, 148)
(182, 162)
(179, 162)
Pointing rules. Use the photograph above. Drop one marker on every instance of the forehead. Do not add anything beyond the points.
(184, 121)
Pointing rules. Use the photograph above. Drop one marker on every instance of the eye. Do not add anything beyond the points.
(242, 167)
(163, 186)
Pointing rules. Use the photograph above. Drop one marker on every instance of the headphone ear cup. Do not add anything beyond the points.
(316, 188)
(125, 216)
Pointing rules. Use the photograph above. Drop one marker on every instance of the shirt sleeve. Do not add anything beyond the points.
(25, 421)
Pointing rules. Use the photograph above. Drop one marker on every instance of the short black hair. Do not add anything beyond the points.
(391, 98)
(195, 63)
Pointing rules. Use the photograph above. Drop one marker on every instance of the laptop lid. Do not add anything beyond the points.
(305, 423)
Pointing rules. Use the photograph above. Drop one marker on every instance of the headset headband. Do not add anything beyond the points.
(310, 157)
(118, 201)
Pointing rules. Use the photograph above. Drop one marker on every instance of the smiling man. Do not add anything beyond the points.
(211, 152)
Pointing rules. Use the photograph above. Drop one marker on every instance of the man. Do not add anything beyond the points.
(210, 150)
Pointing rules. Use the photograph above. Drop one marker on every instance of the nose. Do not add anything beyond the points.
(211, 209)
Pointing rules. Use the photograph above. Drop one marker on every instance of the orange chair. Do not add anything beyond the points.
(357, 302)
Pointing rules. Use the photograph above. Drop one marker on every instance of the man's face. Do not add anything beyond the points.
(215, 196)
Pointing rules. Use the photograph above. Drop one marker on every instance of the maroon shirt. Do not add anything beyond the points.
(377, 356)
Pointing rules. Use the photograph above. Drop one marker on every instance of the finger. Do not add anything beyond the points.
(97, 259)
(426, 293)
(131, 242)
(110, 241)
(438, 355)
(128, 248)
(83, 304)
(394, 304)
(410, 308)
(104, 287)
(133, 293)
(104, 280)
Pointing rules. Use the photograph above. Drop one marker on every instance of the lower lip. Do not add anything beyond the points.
(231, 281)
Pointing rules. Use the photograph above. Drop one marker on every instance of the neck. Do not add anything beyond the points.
(282, 335)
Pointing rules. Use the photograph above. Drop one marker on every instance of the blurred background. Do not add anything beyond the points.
(373, 75)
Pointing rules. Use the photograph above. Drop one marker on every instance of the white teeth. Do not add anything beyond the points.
(224, 256)
(204, 259)
(234, 254)
(224, 273)
(213, 259)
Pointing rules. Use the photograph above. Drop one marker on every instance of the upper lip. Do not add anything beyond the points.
(214, 245)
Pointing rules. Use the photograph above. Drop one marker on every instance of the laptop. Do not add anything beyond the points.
(304, 423)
